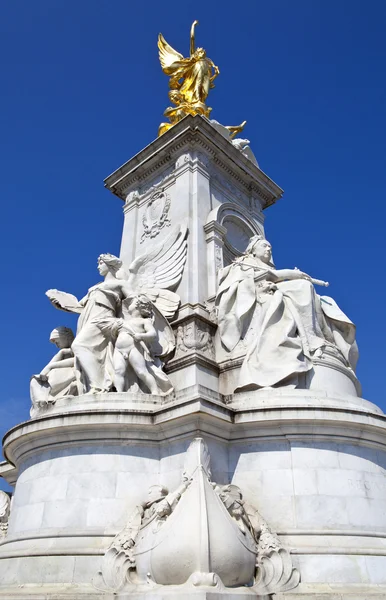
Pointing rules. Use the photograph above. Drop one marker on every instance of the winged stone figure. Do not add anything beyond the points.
(152, 275)
(190, 80)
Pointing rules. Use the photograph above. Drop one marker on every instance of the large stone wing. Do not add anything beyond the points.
(166, 301)
(162, 267)
(167, 55)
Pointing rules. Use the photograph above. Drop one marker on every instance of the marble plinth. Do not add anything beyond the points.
(314, 466)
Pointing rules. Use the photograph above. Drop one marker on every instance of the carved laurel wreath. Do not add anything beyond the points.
(156, 215)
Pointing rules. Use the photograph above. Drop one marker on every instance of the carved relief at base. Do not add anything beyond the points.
(202, 534)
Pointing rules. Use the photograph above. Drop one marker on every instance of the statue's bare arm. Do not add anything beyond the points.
(59, 361)
(149, 335)
(216, 71)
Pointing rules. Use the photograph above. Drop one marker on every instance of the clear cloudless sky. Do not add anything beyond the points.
(83, 91)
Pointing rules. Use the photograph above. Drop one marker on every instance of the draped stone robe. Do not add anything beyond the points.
(284, 322)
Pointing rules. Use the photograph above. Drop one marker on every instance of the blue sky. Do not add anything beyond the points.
(82, 92)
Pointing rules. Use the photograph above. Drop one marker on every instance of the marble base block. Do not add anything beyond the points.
(315, 469)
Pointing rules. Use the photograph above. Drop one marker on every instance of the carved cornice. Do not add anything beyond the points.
(194, 133)
(194, 358)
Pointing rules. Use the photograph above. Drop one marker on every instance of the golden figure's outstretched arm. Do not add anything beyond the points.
(192, 44)
(216, 71)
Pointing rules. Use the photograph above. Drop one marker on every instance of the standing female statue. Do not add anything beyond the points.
(279, 313)
(151, 275)
(93, 345)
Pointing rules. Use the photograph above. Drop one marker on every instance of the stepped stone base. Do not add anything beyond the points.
(315, 466)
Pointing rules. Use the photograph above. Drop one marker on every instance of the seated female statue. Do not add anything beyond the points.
(281, 318)
(58, 378)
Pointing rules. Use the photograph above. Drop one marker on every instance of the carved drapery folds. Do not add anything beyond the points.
(202, 534)
(5, 507)
(123, 335)
(286, 325)
(58, 378)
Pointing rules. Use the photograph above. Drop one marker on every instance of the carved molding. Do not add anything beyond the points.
(151, 187)
(156, 215)
(194, 140)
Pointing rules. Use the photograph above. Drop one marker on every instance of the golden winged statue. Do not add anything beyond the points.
(190, 80)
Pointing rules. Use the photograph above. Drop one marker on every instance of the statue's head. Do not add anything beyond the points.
(156, 492)
(199, 53)
(62, 337)
(108, 263)
(233, 499)
(176, 97)
(260, 248)
(139, 303)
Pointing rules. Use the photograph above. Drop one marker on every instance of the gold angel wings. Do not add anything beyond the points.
(190, 80)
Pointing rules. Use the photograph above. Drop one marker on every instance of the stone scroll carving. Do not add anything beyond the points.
(202, 534)
(5, 508)
(123, 334)
(156, 215)
(283, 323)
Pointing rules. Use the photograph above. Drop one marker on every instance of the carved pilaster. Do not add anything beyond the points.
(215, 234)
(194, 344)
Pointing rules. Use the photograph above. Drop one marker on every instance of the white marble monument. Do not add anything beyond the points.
(202, 435)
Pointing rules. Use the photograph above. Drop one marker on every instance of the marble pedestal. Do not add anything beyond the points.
(314, 466)
(311, 460)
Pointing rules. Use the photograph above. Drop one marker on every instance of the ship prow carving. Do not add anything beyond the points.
(201, 535)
